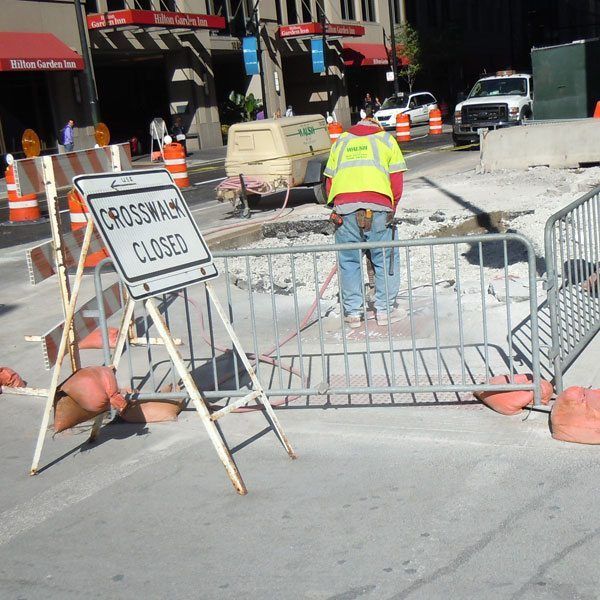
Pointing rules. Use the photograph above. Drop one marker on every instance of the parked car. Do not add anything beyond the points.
(416, 105)
(502, 100)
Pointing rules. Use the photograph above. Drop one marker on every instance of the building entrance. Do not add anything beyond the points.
(133, 91)
(25, 104)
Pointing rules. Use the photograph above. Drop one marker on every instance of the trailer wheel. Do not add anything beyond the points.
(320, 193)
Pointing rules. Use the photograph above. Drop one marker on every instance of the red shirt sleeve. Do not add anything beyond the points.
(328, 185)
(397, 181)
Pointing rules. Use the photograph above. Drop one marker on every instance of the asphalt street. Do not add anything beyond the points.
(423, 153)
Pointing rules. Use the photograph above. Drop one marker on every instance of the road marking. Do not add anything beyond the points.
(209, 181)
(436, 149)
(193, 210)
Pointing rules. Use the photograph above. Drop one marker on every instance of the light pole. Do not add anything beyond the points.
(393, 42)
(87, 64)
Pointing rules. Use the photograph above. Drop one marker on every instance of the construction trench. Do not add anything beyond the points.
(472, 283)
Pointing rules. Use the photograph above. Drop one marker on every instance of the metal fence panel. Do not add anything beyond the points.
(284, 304)
(572, 248)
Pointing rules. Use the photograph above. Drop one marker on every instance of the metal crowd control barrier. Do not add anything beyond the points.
(572, 248)
(284, 304)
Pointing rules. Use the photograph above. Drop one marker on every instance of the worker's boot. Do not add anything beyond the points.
(353, 321)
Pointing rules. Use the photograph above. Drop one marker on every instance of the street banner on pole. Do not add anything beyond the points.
(250, 50)
(318, 60)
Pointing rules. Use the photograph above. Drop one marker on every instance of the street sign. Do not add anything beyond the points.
(148, 230)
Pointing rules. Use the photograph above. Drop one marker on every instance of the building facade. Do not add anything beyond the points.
(169, 58)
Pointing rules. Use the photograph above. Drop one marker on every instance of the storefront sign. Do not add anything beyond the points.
(306, 29)
(120, 18)
(250, 50)
(318, 59)
(20, 64)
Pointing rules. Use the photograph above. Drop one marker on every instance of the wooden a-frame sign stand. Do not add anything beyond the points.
(200, 404)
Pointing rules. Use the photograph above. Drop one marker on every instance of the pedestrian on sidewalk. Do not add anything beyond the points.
(66, 136)
(364, 183)
(178, 132)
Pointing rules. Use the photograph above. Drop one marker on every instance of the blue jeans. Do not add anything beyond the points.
(69, 147)
(349, 264)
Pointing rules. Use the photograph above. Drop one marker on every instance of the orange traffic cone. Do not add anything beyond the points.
(335, 130)
(597, 111)
(78, 213)
(174, 156)
(20, 208)
(402, 128)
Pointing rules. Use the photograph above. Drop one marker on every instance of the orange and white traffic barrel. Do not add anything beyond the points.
(78, 213)
(435, 122)
(402, 128)
(335, 130)
(20, 208)
(174, 156)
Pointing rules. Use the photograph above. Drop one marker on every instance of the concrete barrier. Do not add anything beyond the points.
(557, 144)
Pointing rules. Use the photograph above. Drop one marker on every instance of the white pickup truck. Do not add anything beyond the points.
(498, 101)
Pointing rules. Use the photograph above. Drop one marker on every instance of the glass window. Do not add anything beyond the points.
(428, 99)
(347, 10)
(217, 7)
(306, 13)
(115, 5)
(506, 86)
(143, 4)
(397, 11)
(292, 14)
(368, 10)
(168, 5)
(91, 6)
(319, 11)
(394, 102)
(432, 14)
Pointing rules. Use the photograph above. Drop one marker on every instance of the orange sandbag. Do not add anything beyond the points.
(575, 416)
(10, 378)
(93, 341)
(513, 402)
(68, 413)
(151, 411)
(94, 389)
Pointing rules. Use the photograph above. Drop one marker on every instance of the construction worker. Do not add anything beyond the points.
(364, 180)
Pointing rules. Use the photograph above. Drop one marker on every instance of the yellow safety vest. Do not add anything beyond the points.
(363, 164)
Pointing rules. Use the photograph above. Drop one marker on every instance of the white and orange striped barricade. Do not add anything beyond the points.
(402, 128)
(174, 156)
(21, 209)
(335, 130)
(435, 122)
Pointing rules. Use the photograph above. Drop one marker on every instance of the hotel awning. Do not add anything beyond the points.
(32, 51)
(301, 30)
(364, 55)
(153, 18)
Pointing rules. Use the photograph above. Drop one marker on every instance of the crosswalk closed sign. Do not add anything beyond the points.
(148, 230)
